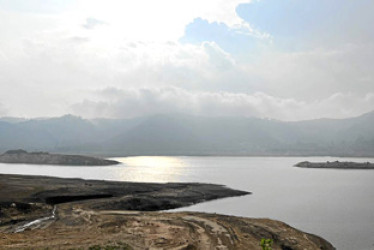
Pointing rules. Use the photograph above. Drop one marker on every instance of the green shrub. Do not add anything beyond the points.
(266, 244)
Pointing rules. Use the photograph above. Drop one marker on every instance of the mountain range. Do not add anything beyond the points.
(180, 134)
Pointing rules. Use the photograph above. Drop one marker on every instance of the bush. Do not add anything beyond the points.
(266, 244)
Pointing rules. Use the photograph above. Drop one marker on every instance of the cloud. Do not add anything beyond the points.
(3, 110)
(60, 71)
(233, 40)
(57, 63)
(317, 73)
(64, 71)
(81, 62)
(143, 20)
(181, 12)
(218, 57)
(120, 103)
(163, 20)
(36, 6)
(92, 23)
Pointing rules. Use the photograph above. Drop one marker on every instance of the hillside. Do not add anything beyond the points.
(191, 135)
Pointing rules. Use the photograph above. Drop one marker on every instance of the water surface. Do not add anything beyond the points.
(335, 204)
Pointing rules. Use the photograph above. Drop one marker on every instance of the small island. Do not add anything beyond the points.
(45, 158)
(336, 165)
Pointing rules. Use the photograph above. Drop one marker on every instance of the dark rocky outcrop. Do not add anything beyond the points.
(109, 194)
(22, 156)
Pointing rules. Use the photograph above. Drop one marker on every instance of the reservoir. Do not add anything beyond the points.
(335, 204)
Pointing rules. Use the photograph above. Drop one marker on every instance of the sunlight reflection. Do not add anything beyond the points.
(151, 168)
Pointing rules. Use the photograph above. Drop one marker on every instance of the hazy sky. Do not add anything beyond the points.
(287, 60)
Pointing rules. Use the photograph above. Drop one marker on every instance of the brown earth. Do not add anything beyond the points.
(77, 228)
(89, 224)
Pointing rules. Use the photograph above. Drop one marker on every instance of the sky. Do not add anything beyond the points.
(287, 60)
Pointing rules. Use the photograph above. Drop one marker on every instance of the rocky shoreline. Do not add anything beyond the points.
(39, 212)
(336, 165)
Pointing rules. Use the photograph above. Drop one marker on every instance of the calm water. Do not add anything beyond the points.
(335, 204)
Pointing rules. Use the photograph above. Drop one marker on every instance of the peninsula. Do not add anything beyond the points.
(45, 158)
(336, 165)
(43, 212)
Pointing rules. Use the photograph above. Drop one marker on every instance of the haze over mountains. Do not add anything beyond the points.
(179, 134)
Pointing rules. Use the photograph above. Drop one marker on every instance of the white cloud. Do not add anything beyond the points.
(218, 57)
(162, 20)
(3, 110)
(50, 62)
(78, 62)
(92, 23)
(145, 20)
(120, 103)
(54, 74)
(317, 73)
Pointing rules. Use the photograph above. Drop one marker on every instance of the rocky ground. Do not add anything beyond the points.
(30, 220)
(109, 194)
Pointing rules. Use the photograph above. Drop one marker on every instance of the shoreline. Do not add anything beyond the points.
(122, 195)
(126, 219)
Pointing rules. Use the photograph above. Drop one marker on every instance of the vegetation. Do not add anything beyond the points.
(266, 244)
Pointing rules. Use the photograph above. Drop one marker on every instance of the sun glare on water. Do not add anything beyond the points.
(151, 168)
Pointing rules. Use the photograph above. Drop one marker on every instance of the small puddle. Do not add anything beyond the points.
(36, 222)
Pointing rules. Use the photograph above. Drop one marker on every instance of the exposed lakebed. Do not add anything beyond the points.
(84, 209)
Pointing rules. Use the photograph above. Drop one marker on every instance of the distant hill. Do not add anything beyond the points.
(191, 135)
